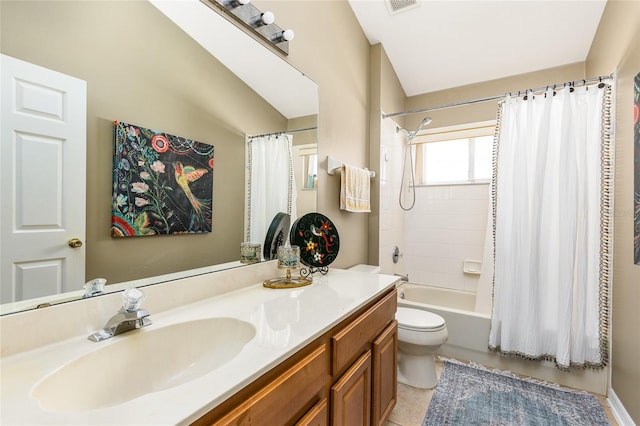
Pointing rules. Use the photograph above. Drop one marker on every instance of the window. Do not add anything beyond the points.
(447, 156)
(306, 166)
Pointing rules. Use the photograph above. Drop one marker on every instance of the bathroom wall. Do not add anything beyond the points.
(392, 217)
(331, 49)
(485, 111)
(617, 47)
(387, 96)
(446, 227)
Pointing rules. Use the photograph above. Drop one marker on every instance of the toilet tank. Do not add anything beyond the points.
(366, 268)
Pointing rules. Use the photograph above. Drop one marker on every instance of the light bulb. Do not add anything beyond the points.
(286, 35)
(267, 17)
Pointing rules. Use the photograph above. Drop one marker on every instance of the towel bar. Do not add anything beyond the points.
(334, 166)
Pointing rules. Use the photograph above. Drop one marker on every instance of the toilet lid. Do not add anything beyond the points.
(417, 319)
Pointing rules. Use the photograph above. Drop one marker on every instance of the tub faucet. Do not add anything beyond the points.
(404, 278)
(129, 317)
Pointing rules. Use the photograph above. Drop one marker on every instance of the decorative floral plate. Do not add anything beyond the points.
(318, 239)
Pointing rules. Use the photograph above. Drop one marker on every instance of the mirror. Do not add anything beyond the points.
(156, 65)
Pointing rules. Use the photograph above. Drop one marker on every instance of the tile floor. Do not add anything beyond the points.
(413, 403)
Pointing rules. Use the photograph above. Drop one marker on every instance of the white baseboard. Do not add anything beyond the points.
(619, 412)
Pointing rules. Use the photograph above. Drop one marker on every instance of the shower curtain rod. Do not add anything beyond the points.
(284, 131)
(583, 82)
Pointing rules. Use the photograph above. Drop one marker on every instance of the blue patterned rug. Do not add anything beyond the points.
(475, 396)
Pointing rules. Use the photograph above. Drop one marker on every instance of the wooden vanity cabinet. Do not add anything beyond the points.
(367, 349)
(345, 377)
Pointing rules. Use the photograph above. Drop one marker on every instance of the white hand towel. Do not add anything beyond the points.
(355, 189)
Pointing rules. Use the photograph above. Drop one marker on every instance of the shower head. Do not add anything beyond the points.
(425, 122)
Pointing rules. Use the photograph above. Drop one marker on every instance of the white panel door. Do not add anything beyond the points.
(42, 180)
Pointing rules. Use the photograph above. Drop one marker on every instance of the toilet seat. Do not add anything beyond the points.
(419, 320)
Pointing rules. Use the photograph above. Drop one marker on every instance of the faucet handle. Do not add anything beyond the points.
(132, 298)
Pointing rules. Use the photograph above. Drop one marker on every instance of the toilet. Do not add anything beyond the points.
(420, 334)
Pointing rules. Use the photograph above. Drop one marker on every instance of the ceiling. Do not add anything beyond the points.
(440, 44)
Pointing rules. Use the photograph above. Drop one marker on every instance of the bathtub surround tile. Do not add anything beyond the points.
(466, 206)
(430, 222)
(391, 224)
(439, 236)
(447, 227)
(466, 222)
(465, 251)
(468, 236)
(470, 283)
(433, 192)
(469, 192)
(431, 206)
(425, 249)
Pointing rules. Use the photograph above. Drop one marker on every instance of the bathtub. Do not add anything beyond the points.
(469, 338)
(467, 329)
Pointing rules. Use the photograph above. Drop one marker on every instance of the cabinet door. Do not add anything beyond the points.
(384, 386)
(351, 341)
(351, 395)
(318, 415)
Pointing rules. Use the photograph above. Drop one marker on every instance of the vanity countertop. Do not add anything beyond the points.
(285, 321)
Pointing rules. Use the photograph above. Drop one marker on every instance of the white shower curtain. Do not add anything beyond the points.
(270, 181)
(550, 294)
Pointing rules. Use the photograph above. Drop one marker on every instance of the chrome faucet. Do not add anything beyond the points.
(129, 317)
(404, 278)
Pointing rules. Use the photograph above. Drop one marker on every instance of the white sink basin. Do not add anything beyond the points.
(142, 361)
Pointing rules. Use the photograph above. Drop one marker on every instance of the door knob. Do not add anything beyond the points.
(75, 243)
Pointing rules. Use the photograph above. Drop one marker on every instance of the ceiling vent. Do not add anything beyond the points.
(397, 6)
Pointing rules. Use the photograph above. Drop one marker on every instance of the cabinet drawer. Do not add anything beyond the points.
(317, 416)
(284, 400)
(350, 342)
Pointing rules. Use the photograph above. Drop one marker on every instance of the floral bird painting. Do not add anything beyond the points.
(148, 199)
(184, 176)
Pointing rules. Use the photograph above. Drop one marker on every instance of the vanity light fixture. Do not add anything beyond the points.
(262, 24)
